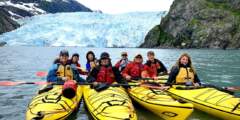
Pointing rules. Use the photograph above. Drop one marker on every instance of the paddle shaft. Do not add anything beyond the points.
(229, 90)
(110, 85)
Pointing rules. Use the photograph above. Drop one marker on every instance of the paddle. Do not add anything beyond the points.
(229, 90)
(101, 86)
(150, 79)
(14, 83)
(233, 88)
(41, 73)
(224, 89)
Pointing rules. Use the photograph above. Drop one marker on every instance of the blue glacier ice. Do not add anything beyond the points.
(84, 29)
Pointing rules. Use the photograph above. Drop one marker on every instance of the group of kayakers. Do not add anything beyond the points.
(102, 70)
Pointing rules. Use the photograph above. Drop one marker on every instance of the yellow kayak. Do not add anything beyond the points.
(110, 104)
(161, 103)
(210, 100)
(51, 105)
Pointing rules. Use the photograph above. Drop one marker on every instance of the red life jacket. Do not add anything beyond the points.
(151, 71)
(133, 69)
(105, 75)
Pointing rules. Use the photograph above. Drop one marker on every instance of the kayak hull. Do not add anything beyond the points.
(161, 103)
(210, 100)
(51, 105)
(110, 104)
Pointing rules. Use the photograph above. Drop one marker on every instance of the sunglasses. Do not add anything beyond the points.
(124, 54)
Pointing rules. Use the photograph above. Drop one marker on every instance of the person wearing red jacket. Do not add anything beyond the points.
(121, 64)
(74, 61)
(153, 67)
(134, 69)
(104, 72)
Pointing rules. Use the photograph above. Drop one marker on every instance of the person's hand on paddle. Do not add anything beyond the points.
(196, 84)
(163, 87)
(155, 78)
(95, 84)
(128, 78)
(166, 87)
(65, 78)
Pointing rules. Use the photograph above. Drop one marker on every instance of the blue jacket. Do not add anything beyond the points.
(52, 74)
(88, 67)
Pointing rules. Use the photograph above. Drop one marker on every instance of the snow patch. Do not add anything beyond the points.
(31, 7)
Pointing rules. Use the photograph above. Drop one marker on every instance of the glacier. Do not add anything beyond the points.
(85, 29)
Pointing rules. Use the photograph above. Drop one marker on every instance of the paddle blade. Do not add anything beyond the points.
(41, 83)
(41, 74)
(10, 83)
(234, 88)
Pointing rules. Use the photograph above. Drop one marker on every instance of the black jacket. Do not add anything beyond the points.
(93, 75)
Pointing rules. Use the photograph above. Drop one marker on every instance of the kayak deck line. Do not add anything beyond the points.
(104, 104)
(52, 105)
(224, 98)
(188, 100)
(163, 104)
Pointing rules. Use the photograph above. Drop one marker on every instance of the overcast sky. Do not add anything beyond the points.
(123, 6)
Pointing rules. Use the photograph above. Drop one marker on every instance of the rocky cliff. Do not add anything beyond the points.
(198, 24)
(6, 23)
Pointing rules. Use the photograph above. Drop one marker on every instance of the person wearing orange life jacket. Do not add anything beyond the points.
(134, 69)
(153, 67)
(121, 64)
(104, 72)
(183, 72)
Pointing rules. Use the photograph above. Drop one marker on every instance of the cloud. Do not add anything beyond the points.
(123, 6)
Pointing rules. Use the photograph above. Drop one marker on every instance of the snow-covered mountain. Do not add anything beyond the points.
(88, 29)
(22, 8)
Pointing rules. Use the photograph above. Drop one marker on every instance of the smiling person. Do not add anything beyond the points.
(153, 67)
(134, 69)
(91, 61)
(121, 64)
(62, 70)
(183, 72)
(105, 72)
(74, 61)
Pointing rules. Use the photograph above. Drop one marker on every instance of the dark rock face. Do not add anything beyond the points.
(2, 44)
(6, 23)
(56, 6)
(198, 24)
(62, 6)
(19, 12)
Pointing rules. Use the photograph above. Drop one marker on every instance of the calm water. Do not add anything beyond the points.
(21, 64)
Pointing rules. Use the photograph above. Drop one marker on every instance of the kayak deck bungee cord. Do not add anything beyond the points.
(160, 103)
(112, 103)
(52, 105)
